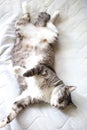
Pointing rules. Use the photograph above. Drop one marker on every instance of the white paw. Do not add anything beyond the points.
(57, 13)
(17, 69)
(54, 101)
(25, 7)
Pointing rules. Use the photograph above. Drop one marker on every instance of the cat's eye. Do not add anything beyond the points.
(61, 100)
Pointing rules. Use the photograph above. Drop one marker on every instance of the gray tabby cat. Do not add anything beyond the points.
(37, 44)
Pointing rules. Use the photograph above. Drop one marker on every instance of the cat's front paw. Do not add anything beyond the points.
(55, 102)
(56, 13)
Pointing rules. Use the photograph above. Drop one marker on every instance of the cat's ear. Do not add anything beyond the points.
(71, 88)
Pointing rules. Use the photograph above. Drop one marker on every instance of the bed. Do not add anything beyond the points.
(71, 65)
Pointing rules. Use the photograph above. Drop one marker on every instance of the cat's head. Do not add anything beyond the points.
(64, 96)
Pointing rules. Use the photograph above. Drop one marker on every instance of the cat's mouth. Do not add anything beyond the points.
(62, 105)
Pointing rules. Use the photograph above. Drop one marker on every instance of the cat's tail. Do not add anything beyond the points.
(17, 107)
(25, 7)
(10, 117)
(4, 122)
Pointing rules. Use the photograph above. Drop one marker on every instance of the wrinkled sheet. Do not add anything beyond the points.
(71, 65)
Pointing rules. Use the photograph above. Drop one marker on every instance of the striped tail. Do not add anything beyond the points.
(14, 112)
(7, 120)
(18, 106)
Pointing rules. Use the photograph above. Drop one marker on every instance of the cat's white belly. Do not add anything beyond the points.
(47, 92)
(33, 60)
(38, 33)
(35, 91)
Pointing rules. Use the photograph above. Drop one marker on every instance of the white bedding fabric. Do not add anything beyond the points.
(71, 65)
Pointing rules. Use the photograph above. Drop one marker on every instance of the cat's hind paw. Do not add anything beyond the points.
(55, 15)
(18, 70)
(25, 7)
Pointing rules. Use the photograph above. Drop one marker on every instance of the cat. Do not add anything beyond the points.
(37, 44)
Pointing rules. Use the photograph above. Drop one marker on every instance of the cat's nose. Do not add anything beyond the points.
(57, 34)
(61, 106)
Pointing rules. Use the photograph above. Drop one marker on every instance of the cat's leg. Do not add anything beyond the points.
(20, 103)
(22, 21)
(20, 71)
(51, 25)
(54, 16)
(25, 18)
(55, 98)
(18, 106)
(37, 70)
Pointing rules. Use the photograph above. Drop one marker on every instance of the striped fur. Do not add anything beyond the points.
(47, 72)
(34, 54)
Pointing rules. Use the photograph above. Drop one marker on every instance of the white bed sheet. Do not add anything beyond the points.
(71, 65)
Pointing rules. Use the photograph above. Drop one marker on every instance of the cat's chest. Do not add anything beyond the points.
(37, 35)
(32, 30)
